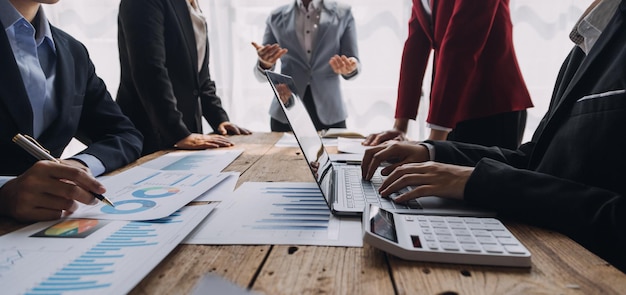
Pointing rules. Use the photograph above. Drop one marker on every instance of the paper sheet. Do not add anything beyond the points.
(143, 194)
(351, 145)
(204, 161)
(288, 140)
(273, 213)
(222, 190)
(86, 256)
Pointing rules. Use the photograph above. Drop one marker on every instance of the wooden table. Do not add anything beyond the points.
(559, 265)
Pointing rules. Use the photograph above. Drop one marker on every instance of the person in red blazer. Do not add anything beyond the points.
(478, 94)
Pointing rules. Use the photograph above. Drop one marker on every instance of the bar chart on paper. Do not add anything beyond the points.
(79, 256)
(276, 213)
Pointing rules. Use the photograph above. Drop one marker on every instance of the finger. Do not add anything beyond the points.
(77, 176)
(374, 162)
(245, 131)
(365, 162)
(256, 46)
(415, 193)
(233, 129)
(368, 140)
(39, 214)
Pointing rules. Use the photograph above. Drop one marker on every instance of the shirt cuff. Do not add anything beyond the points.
(431, 150)
(93, 163)
(5, 179)
(437, 127)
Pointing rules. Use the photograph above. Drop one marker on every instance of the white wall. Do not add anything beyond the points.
(540, 34)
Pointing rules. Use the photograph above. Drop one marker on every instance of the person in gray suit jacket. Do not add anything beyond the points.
(570, 176)
(316, 42)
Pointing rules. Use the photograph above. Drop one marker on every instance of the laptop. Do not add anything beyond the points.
(341, 184)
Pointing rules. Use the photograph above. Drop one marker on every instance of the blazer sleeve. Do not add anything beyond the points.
(268, 38)
(212, 109)
(348, 43)
(594, 217)
(467, 32)
(415, 55)
(145, 45)
(109, 135)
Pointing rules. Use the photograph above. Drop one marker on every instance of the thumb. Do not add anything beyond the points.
(256, 46)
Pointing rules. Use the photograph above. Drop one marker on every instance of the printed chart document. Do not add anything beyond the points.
(261, 213)
(204, 161)
(88, 256)
(145, 194)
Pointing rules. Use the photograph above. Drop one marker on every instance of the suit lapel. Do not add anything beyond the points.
(12, 92)
(289, 25)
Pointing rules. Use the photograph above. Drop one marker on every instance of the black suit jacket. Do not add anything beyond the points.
(161, 89)
(571, 177)
(86, 111)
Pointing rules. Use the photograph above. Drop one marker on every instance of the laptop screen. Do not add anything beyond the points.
(303, 129)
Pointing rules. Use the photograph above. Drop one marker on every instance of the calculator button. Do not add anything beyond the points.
(443, 238)
(466, 239)
(494, 226)
(481, 233)
(409, 218)
(454, 219)
(439, 224)
(508, 241)
(501, 234)
(471, 220)
(424, 223)
(432, 245)
(493, 248)
(457, 226)
(461, 232)
(450, 246)
(471, 248)
(442, 231)
(515, 249)
(486, 240)
(429, 237)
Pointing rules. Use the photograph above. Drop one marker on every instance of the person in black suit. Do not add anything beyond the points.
(570, 176)
(49, 90)
(165, 85)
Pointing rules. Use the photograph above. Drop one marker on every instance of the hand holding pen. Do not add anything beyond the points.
(47, 190)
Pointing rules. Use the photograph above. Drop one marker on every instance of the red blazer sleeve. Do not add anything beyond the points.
(414, 61)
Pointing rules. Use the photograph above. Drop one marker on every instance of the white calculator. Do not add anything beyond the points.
(446, 239)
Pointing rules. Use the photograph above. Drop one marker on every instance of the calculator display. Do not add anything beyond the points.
(382, 224)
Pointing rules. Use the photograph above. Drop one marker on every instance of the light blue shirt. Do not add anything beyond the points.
(35, 54)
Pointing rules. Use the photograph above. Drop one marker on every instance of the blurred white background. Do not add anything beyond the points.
(541, 31)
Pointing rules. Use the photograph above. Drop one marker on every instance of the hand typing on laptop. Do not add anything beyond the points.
(411, 167)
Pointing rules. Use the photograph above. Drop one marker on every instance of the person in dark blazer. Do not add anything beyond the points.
(49, 90)
(570, 176)
(165, 85)
(478, 94)
(316, 43)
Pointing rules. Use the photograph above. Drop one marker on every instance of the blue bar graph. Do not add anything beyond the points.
(299, 209)
(95, 268)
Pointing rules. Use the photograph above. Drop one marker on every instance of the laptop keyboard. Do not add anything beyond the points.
(360, 192)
